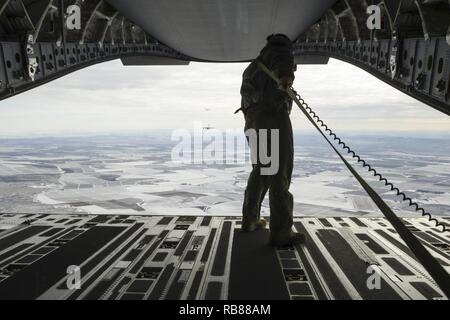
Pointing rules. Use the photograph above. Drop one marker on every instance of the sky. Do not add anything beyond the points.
(111, 98)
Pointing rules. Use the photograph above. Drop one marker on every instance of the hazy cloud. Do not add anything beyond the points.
(112, 98)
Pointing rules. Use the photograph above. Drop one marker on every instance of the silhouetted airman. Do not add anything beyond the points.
(266, 105)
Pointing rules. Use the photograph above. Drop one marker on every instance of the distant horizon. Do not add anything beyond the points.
(142, 133)
(394, 134)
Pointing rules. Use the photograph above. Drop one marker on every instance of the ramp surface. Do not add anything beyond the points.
(255, 269)
(184, 257)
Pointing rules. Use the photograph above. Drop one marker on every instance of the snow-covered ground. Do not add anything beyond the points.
(133, 175)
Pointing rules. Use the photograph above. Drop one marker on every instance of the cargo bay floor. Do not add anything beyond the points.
(186, 257)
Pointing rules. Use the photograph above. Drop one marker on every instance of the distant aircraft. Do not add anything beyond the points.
(208, 127)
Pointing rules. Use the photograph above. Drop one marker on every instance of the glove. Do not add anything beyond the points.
(285, 82)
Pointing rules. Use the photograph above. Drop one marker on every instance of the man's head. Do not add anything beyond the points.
(279, 39)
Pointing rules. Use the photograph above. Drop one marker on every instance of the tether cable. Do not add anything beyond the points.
(431, 265)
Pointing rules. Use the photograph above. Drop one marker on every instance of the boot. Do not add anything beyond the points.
(253, 225)
(287, 240)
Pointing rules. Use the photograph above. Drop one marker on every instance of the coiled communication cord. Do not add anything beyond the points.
(364, 163)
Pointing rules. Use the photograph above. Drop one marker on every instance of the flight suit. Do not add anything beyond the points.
(267, 107)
